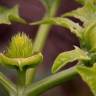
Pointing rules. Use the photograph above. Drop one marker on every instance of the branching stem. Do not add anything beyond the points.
(42, 86)
(8, 85)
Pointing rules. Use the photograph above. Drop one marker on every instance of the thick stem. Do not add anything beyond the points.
(21, 78)
(38, 45)
(21, 83)
(41, 39)
(8, 85)
(40, 87)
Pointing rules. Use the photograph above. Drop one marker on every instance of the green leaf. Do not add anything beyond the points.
(86, 13)
(64, 22)
(70, 56)
(81, 1)
(89, 76)
(90, 36)
(86, 1)
(8, 15)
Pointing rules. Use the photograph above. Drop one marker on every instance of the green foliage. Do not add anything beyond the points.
(89, 36)
(19, 53)
(86, 1)
(69, 56)
(86, 14)
(64, 22)
(20, 46)
(81, 1)
(89, 76)
(8, 15)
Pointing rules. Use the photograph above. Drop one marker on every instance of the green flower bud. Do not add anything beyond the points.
(19, 53)
(20, 46)
(21, 63)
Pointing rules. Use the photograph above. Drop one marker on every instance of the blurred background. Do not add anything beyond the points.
(59, 40)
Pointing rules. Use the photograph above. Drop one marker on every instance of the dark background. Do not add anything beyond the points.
(59, 40)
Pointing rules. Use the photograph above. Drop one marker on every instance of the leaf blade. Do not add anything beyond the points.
(7, 15)
(86, 1)
(89, 76)
(69, 56)
(64, 22)
(85, 13)
(89, 36)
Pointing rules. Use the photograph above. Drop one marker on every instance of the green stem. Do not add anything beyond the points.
(40, 87)
(38, 45)
(8, 85)
(41, 39)
(21, 83)
(21, 78)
